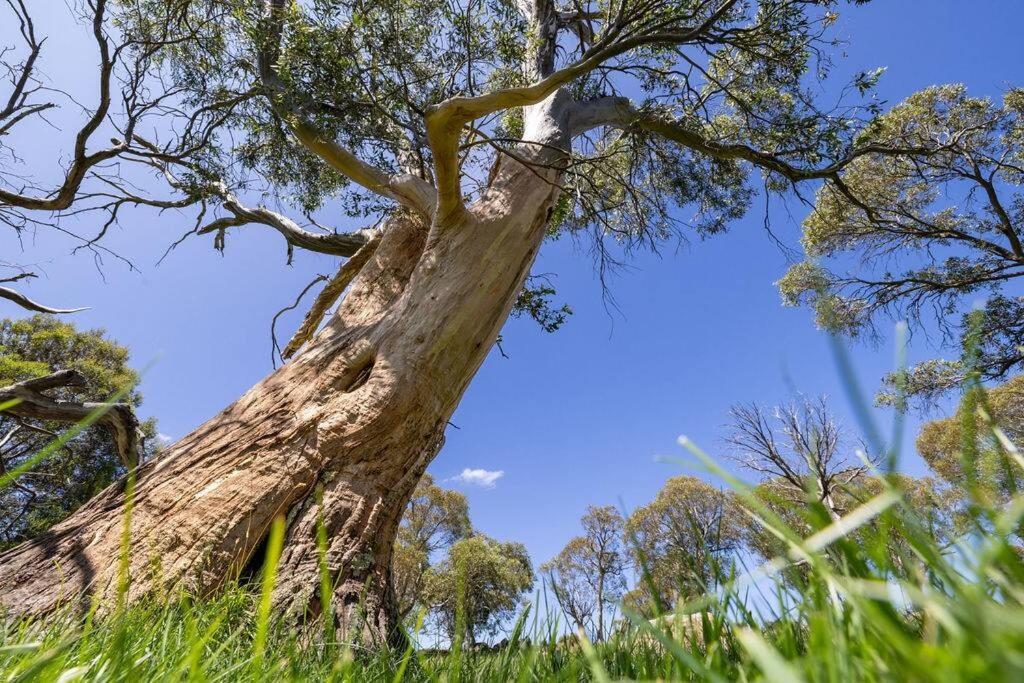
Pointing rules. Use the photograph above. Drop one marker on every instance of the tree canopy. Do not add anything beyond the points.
(588, 576)
(681, 542)
(434, 520)
(238, 106)
(478, 586)
(454, 136)
(963, 448)
(950, 220)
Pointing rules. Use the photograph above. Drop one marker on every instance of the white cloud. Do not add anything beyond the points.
(164, 439)
(482, 478)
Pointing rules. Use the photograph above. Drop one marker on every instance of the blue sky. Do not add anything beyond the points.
(572, 418)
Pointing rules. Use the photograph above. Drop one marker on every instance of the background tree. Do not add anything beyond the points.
(805, 465)
(807, 457)
(588, 576)
(464, 134)
(478, 586)
(56, 486)
(811, 478)
(885, 539)
(952, 218)
(681, 542)
(941, 442)
(434, 520)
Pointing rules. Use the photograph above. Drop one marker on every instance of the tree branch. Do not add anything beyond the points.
(335, 243)
(330, 294)
(27, 303)
(118, 418)
(446, 120)
(620, 112)
(82, 160)
(407, 189)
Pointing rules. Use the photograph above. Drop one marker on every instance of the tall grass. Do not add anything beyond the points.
(880, 597)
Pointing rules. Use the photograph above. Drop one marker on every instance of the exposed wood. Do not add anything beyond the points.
(359, 412)
(30, 305)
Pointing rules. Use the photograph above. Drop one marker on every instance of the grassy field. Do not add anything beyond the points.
(860, 612)
(877, 595)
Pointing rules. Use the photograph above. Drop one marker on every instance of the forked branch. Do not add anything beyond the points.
(445, 121)
(333, 243)
(407, 189)
(17, 109)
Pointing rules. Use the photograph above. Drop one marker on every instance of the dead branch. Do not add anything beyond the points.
(27, 303)
(330, 294)
(118, 418)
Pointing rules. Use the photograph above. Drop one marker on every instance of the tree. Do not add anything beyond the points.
(588, 576)
(963, 448)
(478, 586)
(810, 480)
(807, 459)
(936, 509)
(435, 519)
(680, 542)
(956, 215)
(469, 133)
(41, 353)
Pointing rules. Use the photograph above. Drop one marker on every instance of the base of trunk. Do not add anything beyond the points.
(358, 414)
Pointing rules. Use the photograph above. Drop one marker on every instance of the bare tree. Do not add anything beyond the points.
(465, 133)
(806, 454)
(28, 98)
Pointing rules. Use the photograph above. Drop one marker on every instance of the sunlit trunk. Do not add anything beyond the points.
(360, 413)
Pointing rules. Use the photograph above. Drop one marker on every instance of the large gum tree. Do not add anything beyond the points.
(464, 132)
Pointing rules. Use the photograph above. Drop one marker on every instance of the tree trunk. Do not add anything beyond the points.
(360, 412)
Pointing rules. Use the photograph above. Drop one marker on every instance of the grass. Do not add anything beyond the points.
(879, 597)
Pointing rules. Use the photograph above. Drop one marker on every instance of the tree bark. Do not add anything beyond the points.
(360, 412)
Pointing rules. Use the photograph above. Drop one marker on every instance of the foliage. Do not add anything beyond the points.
(435, 519)
(681, 541)
(866, 609)
(535, 301)
(675, 108)
(941, 441)
(810, 478)
(952, 219)
(588, 576)
(478, 586)
(55, 487)
(939, 508)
